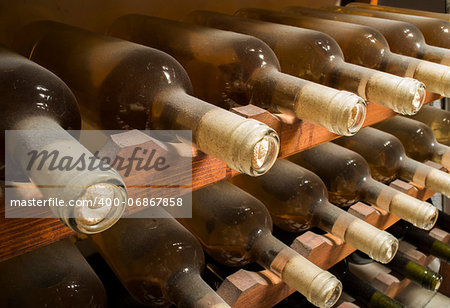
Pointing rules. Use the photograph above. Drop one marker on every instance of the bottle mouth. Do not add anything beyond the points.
(414, 89)
(98, 208)
(356, 117)
(265, 153)
(387, 250)
(430, 218)
(331, 292)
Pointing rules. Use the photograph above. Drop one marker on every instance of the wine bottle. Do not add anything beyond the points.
(443, 221)
(435, 28)
(400, 10)
(56, 275)
(315, 56)
(347, 177)
(38, 106)
(297, 200)
(418, 140)
(236, 229)
(404, 35)
(422, 240)
(364, 46)
(229, 68)
(361, 290)
(387, 160)
(158, 261)
(438, 120)
(131, 86)
(415, 272)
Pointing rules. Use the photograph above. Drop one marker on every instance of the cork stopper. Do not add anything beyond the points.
(403, 95)
(97, 211)
(320, 287)
(438, 181)
(421, 214)
(435, 76)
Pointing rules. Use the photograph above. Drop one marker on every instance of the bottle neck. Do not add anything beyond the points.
(437, 55)
(55, 179)
(381, 247)
(424, 175)
(318, 286)
(441, 154)
(425, 277)
(187, 289)
(246, 145)
(403, 95)
(338, 111)
(417, 212)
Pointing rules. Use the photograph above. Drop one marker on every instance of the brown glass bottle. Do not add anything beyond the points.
(388, 161)
(54, 276)
(438, 120)
(235, 229)
(228, 68)
(297, 200)
(418, 140)
(403, 37)
(347, 177)
(435, 30)
(365, 46)
(158, 261)
(315, 56)
(38, 107)
(126, 85)
(400, 10)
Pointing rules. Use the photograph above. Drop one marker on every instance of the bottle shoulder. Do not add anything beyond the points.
(31, 90)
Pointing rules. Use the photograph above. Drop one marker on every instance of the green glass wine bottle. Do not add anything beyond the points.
(421, 275)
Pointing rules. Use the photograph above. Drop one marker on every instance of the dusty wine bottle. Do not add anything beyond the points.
(438, 120)
(400, 10)
(159, 262)
(228, 68)
(56, 275)
(315, 56)
(388, 161)
(132, 86)
(421, 275)
(347, 177)
(235, 229)
(443, 221)
(418, 140)
(403, 37)
(297, 200)
(38, 106)
(434, 29)
(422, 240)
(361, 290)
(365, 46)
